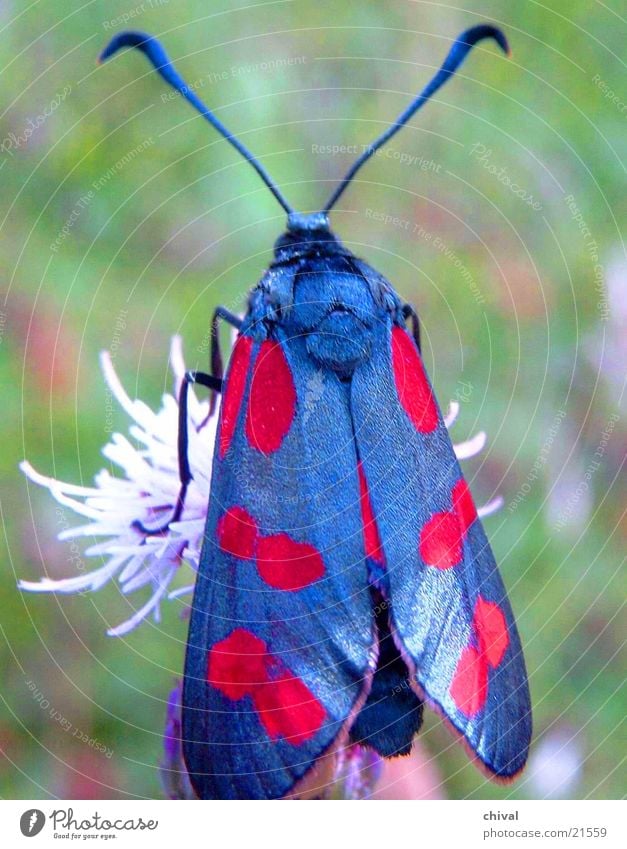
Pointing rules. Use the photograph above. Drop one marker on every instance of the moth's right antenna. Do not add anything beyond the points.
(156, 55)
(458, 52)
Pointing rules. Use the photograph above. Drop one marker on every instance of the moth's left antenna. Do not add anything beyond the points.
(156, 55)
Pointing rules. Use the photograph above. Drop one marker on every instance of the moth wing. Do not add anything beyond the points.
(281, 641)
(449, 610)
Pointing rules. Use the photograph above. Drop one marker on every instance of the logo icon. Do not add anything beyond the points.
(32, 822)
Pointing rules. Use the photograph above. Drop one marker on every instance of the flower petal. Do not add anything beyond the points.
(471, 447)
(451, 414)
(140, 615)
(491, 507)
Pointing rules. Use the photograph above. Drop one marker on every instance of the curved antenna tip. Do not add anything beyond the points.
(128, 38)
(460, 48)
(474, 34)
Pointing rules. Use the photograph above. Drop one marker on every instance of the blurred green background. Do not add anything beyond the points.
(505, 234)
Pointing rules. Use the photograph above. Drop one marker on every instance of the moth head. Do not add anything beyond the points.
(305, 234)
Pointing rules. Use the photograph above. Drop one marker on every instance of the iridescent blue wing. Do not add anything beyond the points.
(449, 611)
(281, 643)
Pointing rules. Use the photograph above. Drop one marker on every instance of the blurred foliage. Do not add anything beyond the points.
(184, 225)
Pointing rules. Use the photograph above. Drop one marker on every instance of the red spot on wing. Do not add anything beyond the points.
(286, 564)
(235, 386)
(282, 562)
(238, 664)
(241, 665)
(463, 505)
(237, 532)
(491, 629)
(469, 689)
(412, 385)
(441, 541)
(372, 540)
(490, 637)
(272, 401)
(442, 536)
(287, 708)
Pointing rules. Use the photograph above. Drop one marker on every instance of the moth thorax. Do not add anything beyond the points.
(340, 342)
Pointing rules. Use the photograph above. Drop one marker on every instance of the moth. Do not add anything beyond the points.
(345, 577)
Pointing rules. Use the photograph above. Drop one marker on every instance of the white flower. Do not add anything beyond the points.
(146, 496)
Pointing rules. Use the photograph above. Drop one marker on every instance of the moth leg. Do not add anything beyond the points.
(185, 474)
(210, 381)
(410, 312)
(217, 364)
(221, 313)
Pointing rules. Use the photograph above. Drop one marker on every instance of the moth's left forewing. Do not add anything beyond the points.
(449, 610)
(281, 643)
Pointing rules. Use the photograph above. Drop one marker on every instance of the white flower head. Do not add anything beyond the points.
(122, 509)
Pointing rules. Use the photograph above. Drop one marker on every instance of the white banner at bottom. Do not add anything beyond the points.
(301, 825)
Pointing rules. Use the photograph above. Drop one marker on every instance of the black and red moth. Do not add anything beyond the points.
(345, 577)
